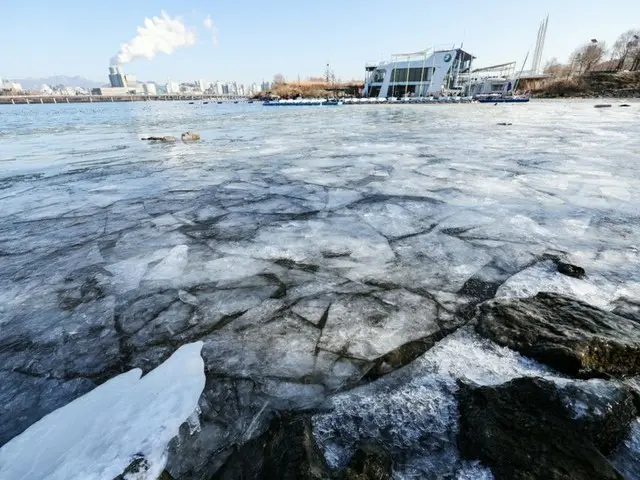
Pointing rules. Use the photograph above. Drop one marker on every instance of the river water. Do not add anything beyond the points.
(298, 243)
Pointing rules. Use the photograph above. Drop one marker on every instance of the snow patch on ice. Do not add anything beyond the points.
(99, 434)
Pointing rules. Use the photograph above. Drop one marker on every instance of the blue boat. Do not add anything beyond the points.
(503, 99)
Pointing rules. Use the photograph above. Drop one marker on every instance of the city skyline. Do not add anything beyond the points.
(230, 43)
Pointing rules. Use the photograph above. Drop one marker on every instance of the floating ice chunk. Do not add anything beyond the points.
(99, 434)
(127, 273)
(172, 266)
(187, 298)
(339, 197)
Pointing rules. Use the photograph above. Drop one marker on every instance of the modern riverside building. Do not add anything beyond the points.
(419, 74)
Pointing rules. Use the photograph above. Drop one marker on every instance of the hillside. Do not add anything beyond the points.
(596, 84)
(73, 81)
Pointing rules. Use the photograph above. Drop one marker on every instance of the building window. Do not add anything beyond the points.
(419, 74)
(378, 76)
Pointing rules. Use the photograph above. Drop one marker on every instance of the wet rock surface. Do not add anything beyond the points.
(524, 429)
(567, 334)
(571, 270)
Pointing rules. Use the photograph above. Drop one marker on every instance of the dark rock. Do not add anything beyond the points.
(286, 451)
(603, 410)
(138, 468)
(567, 334)
(570, 270)
(628, 308)
(603, 105)
(372, 464)
(625, 105)
(403, 355)
(524, 430)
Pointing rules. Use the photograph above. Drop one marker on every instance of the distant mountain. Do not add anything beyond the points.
(28, 83)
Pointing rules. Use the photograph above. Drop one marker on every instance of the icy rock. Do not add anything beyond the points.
(627, 457)
(99, 434)
(567, 334)
(628, 308)
(603, 410)
(544, 277)
(472, 359)
(506, 426)
(419, 416)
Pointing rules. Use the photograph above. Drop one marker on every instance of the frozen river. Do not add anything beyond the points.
(300, 246)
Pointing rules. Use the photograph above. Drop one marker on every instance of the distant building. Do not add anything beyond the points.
(111, 91)
(217, 89)
(130, 81)
(149, 89)
(265, 86)
(200, 86)
(10, 86)
(172, 88)
(116, 77)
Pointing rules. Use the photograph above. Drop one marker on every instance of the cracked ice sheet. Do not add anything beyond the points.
(99, 434)
(305, 241)
(367, 327)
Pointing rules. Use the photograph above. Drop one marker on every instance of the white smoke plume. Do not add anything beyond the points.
(158, 35)
(208, 24)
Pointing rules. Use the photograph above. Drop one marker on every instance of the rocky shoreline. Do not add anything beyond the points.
(563, 423)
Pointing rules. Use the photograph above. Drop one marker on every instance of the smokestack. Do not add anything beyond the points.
(158, 35)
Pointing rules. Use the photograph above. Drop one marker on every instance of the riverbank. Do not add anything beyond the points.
(591, 85)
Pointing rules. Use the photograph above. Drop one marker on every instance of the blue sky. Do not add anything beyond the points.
(257, 39)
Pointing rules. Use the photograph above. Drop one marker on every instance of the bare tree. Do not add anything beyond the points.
(278, 79)
(554, 68)
(626, 47)
(587, 56)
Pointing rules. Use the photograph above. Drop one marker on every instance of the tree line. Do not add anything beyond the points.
(624, 55)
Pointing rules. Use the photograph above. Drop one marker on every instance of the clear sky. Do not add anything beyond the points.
(257, 39)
